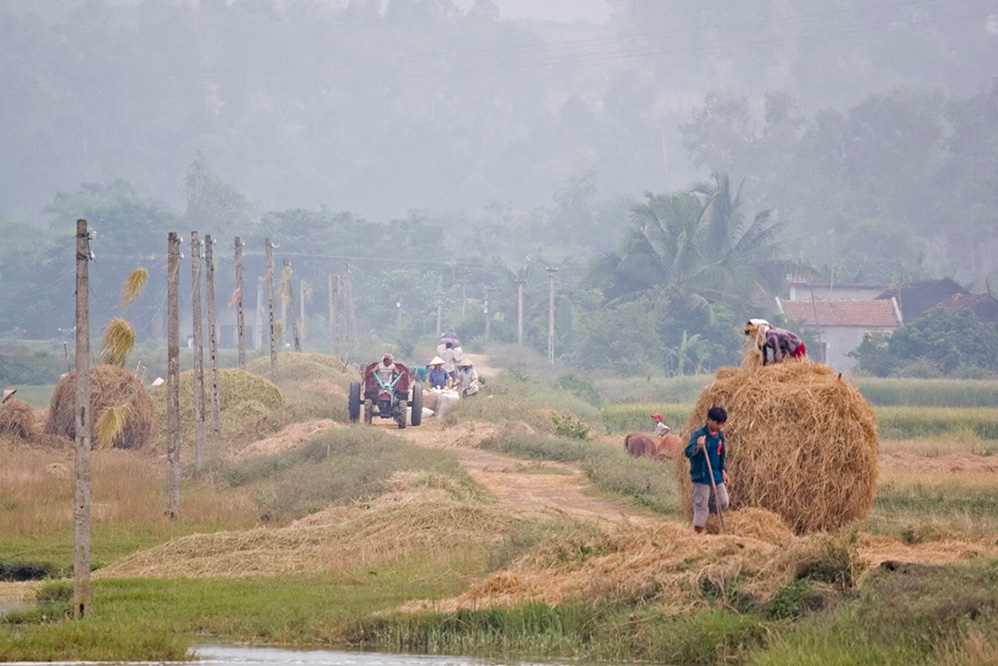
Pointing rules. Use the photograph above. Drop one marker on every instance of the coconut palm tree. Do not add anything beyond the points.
(699, 248)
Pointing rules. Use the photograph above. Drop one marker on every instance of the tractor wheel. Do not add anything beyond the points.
(353, 403)
(401, 415)
(417, 404)
(368, 411)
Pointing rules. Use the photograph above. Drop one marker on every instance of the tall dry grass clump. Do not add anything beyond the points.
(111, 388)
(802, 443)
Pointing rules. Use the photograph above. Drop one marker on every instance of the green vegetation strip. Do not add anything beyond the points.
(894, 422)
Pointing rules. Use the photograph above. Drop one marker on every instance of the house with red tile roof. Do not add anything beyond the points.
(842, 324)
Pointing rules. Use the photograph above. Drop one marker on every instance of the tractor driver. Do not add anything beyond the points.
(386, 369)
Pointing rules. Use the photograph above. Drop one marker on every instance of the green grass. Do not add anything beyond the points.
(651, 483)
(38, 397)
(155, 619)
(894, 422)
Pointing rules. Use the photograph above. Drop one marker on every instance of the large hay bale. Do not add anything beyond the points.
(17, 421)
(802, 443)
(294, 368)
(110, 386)
(243, 398)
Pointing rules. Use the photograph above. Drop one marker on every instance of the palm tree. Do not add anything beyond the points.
(698, 248)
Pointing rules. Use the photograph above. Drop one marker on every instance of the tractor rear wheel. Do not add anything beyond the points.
(353, 404)
(417, 404)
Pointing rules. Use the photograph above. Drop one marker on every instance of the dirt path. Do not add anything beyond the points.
(545, 487)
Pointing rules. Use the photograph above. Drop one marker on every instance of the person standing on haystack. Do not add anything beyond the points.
(782, 342)
(708, 476)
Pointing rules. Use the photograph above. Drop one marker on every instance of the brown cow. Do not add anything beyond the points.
(639, 444)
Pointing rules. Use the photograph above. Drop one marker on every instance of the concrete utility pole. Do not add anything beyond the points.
(291, 306)
(209, 284)
(82, 421)
(551, 272)
(334, 323)
(240, 330)
(270, 311)
(464, 273)
(440, 311)
(351, 314)
(488, 310)
(173, 379)
(519, 311)
(199, 436)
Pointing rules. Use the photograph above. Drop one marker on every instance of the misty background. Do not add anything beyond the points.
(445, 146)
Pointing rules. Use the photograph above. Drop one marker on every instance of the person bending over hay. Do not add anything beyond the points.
(802, 443)
(123, 413)
(780, 341)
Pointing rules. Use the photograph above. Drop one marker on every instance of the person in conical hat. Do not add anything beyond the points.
(466, 377)
(437, 376)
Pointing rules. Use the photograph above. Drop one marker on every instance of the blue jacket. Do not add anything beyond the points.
(716, 450)
(438, 378)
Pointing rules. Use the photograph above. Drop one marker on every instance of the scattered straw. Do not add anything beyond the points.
(291, 436)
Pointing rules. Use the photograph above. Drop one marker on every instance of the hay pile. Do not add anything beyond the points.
(110, 387)
(295, 368)
(289, 437)
(802, 443)
(421, 515)
(666, 565)
(243, 399)
(17, 421)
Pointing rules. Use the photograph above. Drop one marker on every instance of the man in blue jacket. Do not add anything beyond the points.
(710, 438)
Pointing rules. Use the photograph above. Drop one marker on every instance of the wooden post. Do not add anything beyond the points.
(173, 379)
(83, 420)
(270, 311)
(334, 324)
(488, 310)
(519, 311)
(291, 306)
(199, 434)
(209, 285)
(240, 331)
(551, 272)
(351, 314)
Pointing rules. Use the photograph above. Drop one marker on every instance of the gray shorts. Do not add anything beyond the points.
(704, 502)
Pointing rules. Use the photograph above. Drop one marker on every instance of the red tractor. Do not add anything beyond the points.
(387, 399)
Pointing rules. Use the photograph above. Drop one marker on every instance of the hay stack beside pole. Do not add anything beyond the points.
(110, 387)
(802, 443)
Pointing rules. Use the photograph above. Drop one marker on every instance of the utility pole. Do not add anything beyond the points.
(348, 307)
(209, 285)
(258, 315)
(301, 311)
(83, 420)
(270, 311)
(173, 379)
(334, 324)
(199, 437)
(398, 316)
(240, 330)
(488, 310)
(464, 273)
(440, 311)
(551, 272)
(291, 306)
(519, 311)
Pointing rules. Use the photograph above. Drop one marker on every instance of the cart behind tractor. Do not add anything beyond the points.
(387, 399)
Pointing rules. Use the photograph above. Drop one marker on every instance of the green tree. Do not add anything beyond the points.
(948, 340)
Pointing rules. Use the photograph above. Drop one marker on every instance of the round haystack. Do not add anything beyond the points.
(17, 422)
(110, 387)
(243, 398)
(802, 443)
(302, 367)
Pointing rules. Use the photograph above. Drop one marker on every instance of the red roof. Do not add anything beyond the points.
(842, 313)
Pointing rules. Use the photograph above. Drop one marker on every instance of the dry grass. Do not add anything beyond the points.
(418, 516)
(134, 284)
(17, 421)
(802, 442)
(117, 341)
(110, 387)
(289, 437)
